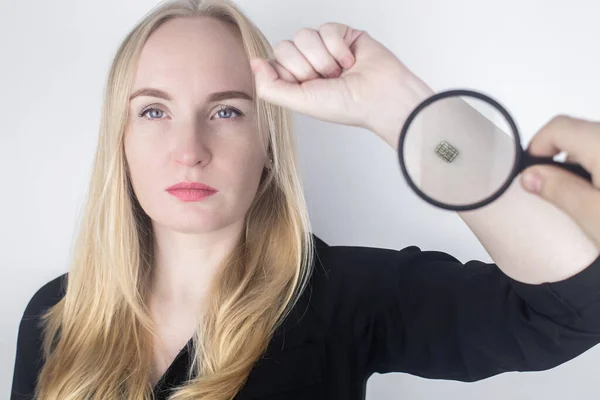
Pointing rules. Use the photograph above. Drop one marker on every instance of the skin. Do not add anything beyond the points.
(190, 138)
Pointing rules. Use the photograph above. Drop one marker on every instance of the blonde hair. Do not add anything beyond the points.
(98, 338)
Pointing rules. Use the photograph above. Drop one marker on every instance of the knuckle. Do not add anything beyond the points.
(330, 28)
(282, 47)
(560, 121)
(304, 34)
(555, 126)
(561, 118)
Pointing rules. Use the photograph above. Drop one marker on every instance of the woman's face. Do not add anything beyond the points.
(184, 127)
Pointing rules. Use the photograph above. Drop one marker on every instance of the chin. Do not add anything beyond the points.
(199, 222)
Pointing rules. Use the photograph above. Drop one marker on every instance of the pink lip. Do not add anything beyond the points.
(191, 191)
(191, 185)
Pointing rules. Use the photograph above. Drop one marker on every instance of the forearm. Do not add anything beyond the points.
(528, 238)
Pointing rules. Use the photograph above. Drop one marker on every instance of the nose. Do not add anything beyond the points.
(192, 147)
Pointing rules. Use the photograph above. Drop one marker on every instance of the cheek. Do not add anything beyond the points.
(143, 159)
(241, 167)
(247, 170)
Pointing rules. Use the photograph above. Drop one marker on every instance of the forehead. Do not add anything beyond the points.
(199, 54)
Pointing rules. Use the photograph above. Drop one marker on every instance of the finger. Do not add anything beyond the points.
(271, 88)
(569, 159)
(289, 57)
(338, 38)
(310, 44)
(572, 194)
(283, 72)
(578, 137)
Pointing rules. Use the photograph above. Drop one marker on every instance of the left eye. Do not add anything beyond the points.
(225, 111)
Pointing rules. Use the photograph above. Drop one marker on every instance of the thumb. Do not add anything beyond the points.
(572, 194)
(270, 87)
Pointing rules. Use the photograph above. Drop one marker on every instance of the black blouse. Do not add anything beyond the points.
(373, 310)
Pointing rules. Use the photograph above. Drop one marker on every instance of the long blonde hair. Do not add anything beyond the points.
(98, 338)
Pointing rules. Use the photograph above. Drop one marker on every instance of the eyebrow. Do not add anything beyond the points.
(213, 97)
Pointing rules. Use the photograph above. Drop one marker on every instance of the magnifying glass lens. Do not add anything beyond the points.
(458, 155)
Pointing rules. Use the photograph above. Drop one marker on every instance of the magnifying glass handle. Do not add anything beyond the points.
(576, 169)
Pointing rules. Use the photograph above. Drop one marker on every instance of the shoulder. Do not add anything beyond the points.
(45, 298)
(42, 300)
(28, 358)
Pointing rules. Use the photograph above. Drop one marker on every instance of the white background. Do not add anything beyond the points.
(538, 57)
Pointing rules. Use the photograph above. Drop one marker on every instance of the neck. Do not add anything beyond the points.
(185, 264)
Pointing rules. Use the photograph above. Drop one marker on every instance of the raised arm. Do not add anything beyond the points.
(530, 239)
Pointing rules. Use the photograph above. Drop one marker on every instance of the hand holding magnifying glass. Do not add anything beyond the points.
(460, 157)
(579, 198)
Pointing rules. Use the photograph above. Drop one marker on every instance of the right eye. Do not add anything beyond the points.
(152, 112)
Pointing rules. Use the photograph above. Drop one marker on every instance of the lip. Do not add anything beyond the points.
(191, 186)
(191, 191)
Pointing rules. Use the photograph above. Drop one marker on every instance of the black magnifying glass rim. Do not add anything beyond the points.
(454, 93)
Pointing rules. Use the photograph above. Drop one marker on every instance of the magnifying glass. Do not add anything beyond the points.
(463, 158)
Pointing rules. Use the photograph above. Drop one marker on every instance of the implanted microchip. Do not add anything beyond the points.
(446, 151)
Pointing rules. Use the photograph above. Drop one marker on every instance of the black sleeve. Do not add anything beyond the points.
(28, 360)
(426, 314)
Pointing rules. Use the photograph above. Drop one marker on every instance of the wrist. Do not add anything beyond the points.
(388, 119)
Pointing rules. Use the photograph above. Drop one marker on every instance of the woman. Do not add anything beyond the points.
(195, 274)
